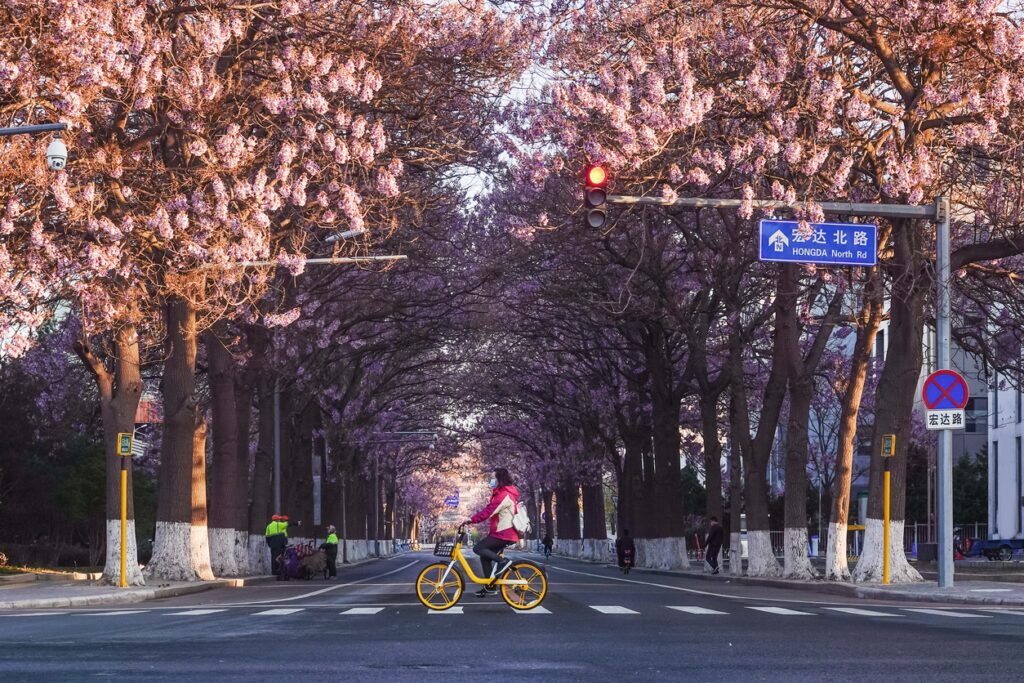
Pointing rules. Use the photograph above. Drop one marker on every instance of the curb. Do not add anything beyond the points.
(126, 598)
(830, 588)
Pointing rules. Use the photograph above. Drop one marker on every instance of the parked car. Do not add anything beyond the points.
(996, 549)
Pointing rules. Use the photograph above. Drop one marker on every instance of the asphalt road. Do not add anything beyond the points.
(596, 626)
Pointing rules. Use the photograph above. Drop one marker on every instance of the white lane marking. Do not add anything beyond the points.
(278, 612)
(535, 610)
(195, 612)
(110, 614)
(694, 591)
(695, 610)
(32, 614)
(1015, 612)
(324, 590)
(612, 609)
(991, 590)
(364, 610)
(450, 610)
(947, 613)
(862, 612)
(782, 611)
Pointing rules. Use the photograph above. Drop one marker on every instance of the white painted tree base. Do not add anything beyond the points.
(181, 552)
(760, 556)
(661, 553)
(837, 566)
(354, 551)
(797, 564)
(869, 567)
(222, 552)
(242, 552)
(259, 555)
(598, 550)
(568, 547)
(735, 554)
(112, 568)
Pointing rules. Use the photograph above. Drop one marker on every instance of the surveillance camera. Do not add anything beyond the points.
(56, 155)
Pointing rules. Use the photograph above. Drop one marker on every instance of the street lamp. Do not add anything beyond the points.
(56, 152)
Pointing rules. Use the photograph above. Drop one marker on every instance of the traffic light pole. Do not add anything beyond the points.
(938, 213)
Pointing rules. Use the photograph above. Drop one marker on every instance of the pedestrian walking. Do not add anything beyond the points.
(625, 549)
(713, 544)
(330, 548)
(277, 539)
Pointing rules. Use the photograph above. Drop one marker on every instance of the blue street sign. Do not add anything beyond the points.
(452, 501)
(826, 244)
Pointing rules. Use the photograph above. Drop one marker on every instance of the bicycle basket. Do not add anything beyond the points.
(444, 548)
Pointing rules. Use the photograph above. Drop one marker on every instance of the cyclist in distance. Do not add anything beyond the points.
(499, 511)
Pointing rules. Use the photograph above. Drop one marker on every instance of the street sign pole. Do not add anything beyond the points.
(945, 460)
(124, 451)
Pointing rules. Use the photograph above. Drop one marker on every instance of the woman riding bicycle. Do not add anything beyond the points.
(499, 511)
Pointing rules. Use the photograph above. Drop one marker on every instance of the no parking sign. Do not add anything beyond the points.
(945, 396)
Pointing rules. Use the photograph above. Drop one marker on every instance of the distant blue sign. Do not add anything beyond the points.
(452, 501)
(826, 244)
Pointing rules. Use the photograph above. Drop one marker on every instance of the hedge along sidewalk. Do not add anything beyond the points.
(55, 595)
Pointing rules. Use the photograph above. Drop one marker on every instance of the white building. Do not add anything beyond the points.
(1005, 494)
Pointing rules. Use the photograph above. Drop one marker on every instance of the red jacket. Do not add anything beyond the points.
(500, 510)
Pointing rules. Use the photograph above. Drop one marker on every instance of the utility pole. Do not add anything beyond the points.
(944, 487)
(376, 504)
(277, 446)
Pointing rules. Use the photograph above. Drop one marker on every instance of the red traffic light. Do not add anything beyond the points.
(596, 175)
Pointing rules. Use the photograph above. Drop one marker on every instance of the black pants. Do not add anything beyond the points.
(277, 547)
(712, 556)
(332, 560)
(488, 550)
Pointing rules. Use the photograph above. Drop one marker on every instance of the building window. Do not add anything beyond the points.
(977, 414)
(995, 488)
(995, 401)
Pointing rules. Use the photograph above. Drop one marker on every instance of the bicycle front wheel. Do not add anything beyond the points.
(530, 588)
(437, 591)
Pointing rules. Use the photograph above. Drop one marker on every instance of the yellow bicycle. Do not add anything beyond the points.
(440, 585)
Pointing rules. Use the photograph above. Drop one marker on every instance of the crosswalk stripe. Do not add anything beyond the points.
(612, 609)
(535, 610)
(112, 614)
(689, 609)
(278, 612)
(450, 610)
(32, 614)
(195, 612)
(862, 612)
(782, 611)
(363, 610)
(947, 613)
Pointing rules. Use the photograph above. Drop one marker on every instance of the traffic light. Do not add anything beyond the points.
(595, 195)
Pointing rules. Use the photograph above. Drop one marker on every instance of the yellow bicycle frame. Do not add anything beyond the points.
(457, 556)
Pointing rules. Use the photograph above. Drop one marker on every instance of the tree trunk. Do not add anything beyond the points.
(737, 442)
(549, 516)
(120, 392)
(228, 523)
(797, 564)
(669, 521)
(712, 456)
(260, 507)
(869, 320)
(181, 550)
(593, 512)
(894, 405)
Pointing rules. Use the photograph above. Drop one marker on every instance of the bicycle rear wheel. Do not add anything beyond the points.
(531, 592)
(435, 593)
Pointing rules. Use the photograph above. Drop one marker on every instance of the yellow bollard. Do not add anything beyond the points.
(885, 525)
(123, 583)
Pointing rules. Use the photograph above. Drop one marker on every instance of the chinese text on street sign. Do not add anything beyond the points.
(827, 244)
(945, 396)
